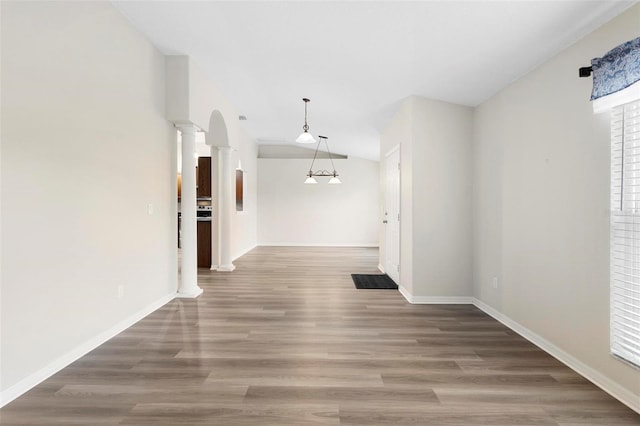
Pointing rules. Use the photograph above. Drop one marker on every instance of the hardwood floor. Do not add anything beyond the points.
(286, 339)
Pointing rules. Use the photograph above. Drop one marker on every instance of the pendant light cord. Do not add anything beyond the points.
(315, 155)
(306, 126)
(330, 158)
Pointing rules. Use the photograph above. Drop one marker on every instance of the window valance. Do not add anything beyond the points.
(616, 76)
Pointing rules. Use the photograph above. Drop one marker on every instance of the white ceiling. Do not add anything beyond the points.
(358, 60)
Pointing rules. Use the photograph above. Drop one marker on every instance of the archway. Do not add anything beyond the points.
(217, 135)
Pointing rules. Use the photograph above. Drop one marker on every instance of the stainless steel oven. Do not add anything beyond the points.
(204, 212)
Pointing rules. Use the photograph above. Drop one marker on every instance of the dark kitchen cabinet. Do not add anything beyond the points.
(204, 177)
(204, 244)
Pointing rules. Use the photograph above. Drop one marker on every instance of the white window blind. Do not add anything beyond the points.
(625, 232)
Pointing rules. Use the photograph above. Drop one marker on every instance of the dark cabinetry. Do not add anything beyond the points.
(203, 193)
(204, 177)
(204, 244)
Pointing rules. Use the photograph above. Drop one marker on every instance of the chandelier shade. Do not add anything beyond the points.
(305, 137)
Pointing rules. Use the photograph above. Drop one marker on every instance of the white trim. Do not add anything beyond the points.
(58, 364)
(280, 244)
(405, 293)
(243, 253)
(612, 388)
(395, 148)
(623, 395)
(435, 300)
(441, 300)
(603, 382)
(624, 96)
(381, 268)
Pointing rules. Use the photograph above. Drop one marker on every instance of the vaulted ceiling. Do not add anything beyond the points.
(357, 60)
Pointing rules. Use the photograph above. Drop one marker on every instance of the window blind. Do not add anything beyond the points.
(625, 232)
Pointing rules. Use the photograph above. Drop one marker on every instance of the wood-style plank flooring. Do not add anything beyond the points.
(286, 339)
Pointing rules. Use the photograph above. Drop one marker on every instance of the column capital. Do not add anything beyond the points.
(187, 128)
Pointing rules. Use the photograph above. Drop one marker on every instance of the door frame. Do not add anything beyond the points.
(385, 266)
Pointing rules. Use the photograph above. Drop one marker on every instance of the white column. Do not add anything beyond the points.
(215, 200)
(227, 173)
(189, 269)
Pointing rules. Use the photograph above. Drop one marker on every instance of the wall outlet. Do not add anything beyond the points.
(150, 209)
(494, 282)
(120, 291)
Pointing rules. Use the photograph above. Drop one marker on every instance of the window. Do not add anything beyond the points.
(625, 232)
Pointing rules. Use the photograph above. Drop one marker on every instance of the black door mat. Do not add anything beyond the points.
(374, 282)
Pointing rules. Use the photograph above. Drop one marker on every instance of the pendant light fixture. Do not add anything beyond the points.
(305, 136)
(311, 176)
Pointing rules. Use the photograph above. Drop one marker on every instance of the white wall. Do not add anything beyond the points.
(244, 224)
(435, 214)
(292, 213)
(85, 148)
(541, 198)
(442, 134)
(192, 97)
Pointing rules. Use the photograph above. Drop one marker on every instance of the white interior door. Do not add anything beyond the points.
(392, 215)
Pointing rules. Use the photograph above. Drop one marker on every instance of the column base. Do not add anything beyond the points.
(226, 268)
(214, 268)
(190, 295)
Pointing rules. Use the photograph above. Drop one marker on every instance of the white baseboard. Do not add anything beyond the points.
(612, 388)
(435, 300)
(623, 395)
(403, 291)
(244, 252)
(44, 373)
(381, 268)
(280, 244)
(440, 300)
(236, 257)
